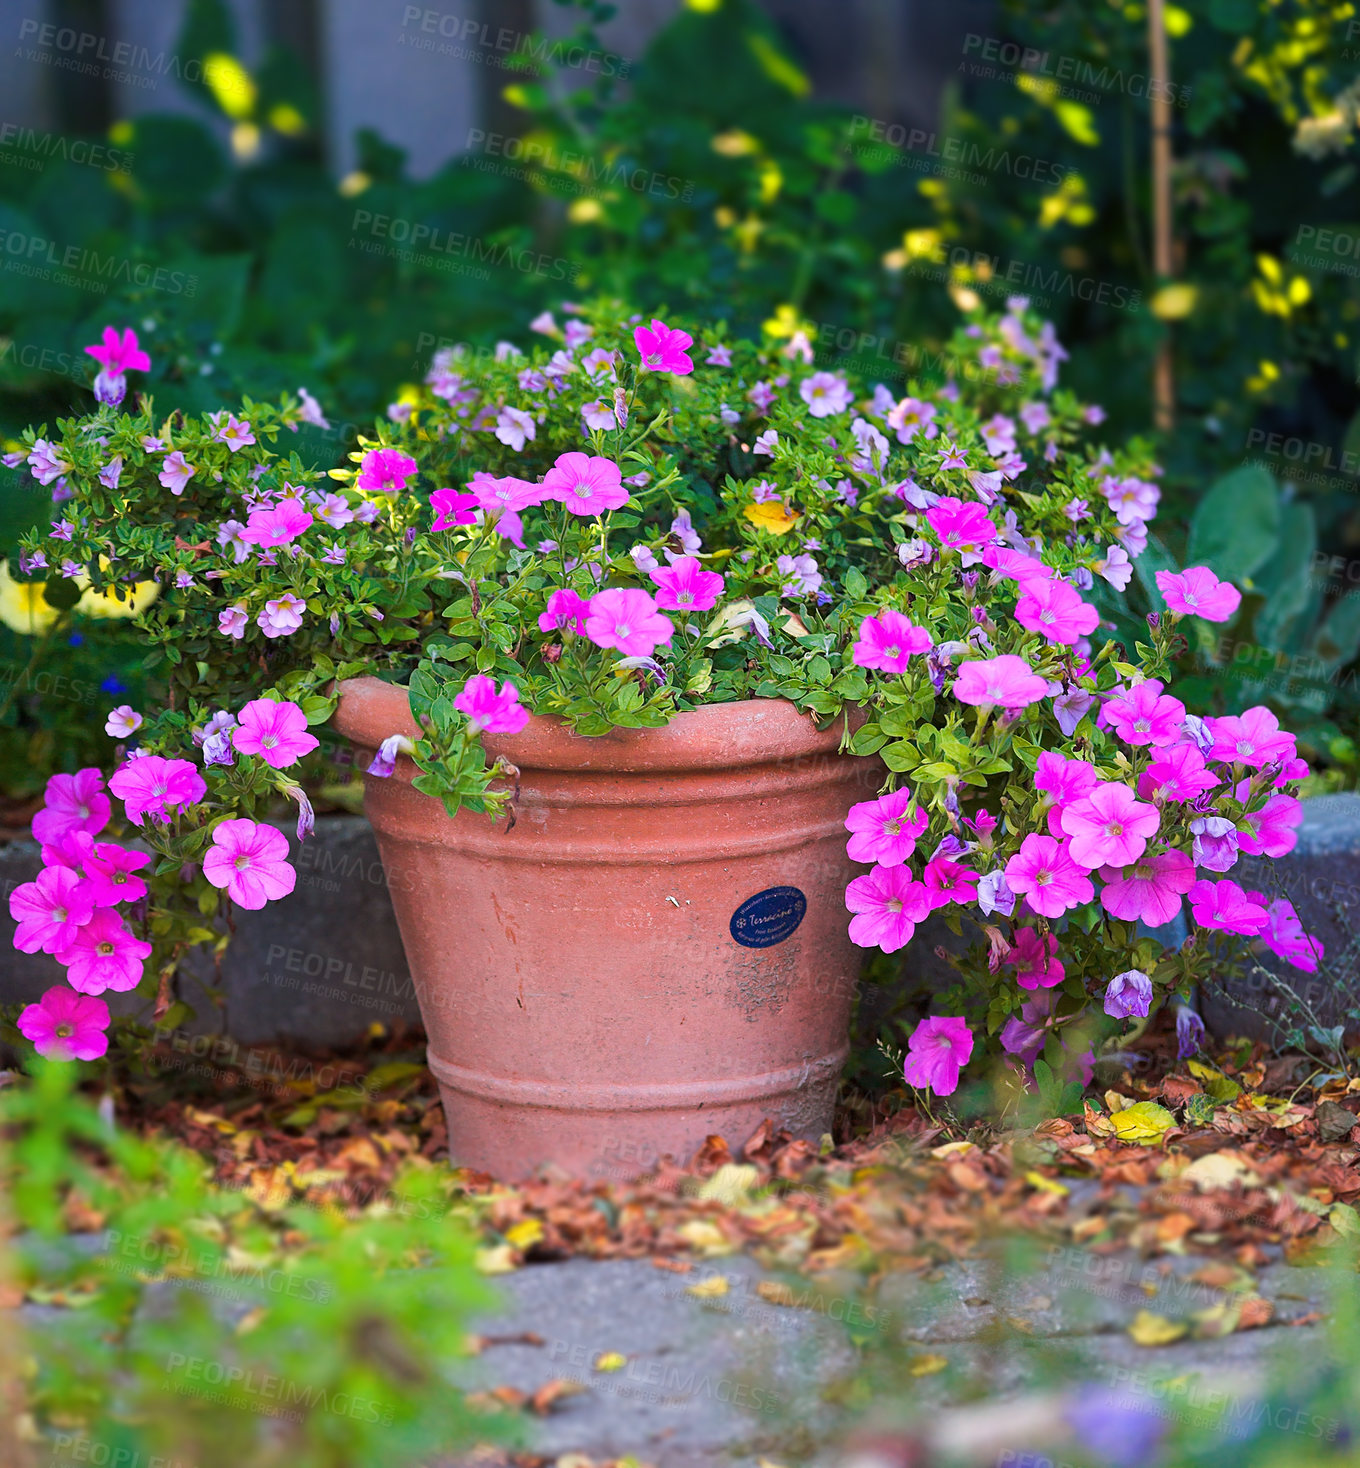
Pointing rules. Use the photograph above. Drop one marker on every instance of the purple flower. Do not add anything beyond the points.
(384, 762)
(1215, 846)
(993, 895)
(306, 821)
(1116, 1427)
(1189, 1032)
(46, 462)
(1195, 729)
(1071, 708)
(218, 749)
(1128, 995)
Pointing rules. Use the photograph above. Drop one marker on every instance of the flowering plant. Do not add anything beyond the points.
(627, 522)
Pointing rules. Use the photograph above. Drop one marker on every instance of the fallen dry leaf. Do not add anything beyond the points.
(1147, 1329)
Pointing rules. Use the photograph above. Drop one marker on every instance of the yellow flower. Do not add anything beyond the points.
(23, 604)
(106, 606)
(773, 516)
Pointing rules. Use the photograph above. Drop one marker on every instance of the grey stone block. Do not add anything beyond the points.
(315, 969)
(326, 962)
(1321, 877)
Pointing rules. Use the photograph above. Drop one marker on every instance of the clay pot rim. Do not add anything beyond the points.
(746, 732)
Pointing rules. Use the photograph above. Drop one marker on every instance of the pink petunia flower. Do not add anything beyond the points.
(685, 586)
(627, 619)
(1285, 936)
(1226, 907)
(1150, 890)
(72, 850)
(503, 500)
(249, 861)
(64, 1025)
(664, 348)
(154, 786)
(1015, 565)
(452, 508)
(826, 394)
(1006, 681)
(385, 470)
(110, 872)
(1253, 738)
(937, 1051)
(50, 910)
(889, 641)
(1066, 780)
(1023, 1035)
(232, 620)
(176, 472)
(72, 803)
(961, 526)
(489, 711)
(1109, 827)
(119, 354)
(122, 722)
(104, 954)
(1145, 715)
(1131, 499)
(566, 609)
(1197, 592)
(277, 526)
(281, 616)
(1055, 611)
(887, 904)
(586, 483)
(1044, 874)
(234, 432)
(912, 416)
(1036, 959)
(1178, 773)
(1272, 829)
(949, 881)
(277, 732)
(885, 830)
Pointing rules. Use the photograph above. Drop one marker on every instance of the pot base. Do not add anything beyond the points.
(618, 1132)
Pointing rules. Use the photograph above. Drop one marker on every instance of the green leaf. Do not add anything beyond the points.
(900, 756)
(1338, 639)
(1236, 526)
(1155, 558)
(1234, 16)
(1286, 581)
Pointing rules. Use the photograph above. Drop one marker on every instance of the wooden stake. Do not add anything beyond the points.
(1163, 263)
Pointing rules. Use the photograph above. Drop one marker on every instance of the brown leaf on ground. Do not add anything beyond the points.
(552, 1393)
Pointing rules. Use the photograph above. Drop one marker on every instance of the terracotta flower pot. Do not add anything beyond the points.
(652, 951)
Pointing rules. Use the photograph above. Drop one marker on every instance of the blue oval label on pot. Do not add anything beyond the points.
(769, 917)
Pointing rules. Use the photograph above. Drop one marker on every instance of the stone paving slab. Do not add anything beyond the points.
(727, 1379)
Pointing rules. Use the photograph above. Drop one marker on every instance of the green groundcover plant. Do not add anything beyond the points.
(211, 1327)
(621, 524)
